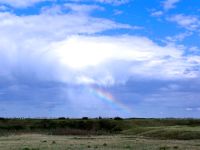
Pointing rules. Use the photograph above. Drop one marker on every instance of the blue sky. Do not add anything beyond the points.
(75, 58)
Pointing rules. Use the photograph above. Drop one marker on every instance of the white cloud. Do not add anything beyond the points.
(21, 3)
(24, 39)
(186, 21)
(50, 47)
(189, 109)
(113, 2)
(118, 12)
(169, 4)
(82, 8)
(28, 3)
(51, 26)
(73, 8)
(157, 13)
(194, 49)
(179, 37)
(95, 57)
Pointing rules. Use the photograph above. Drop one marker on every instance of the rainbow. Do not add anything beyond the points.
(109, 98)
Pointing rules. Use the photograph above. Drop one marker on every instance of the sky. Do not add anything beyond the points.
(77, 58)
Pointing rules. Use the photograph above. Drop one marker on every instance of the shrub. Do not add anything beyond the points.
(61, 118)
(1, 118)
(46, 124)
(85, 118)
(118, 118)
(104, 144)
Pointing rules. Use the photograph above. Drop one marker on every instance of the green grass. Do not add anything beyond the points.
(166, 132)
(155, 128)
(78, 134)
(115, 142)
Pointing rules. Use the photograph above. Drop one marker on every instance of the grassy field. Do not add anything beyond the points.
(112, 133)
(115, 142)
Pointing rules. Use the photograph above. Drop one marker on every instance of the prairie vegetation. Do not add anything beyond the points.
(102, 142)
(99, 133)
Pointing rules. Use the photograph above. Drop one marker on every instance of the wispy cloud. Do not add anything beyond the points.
(82, 8)
(72, 8)
(169, 4)
(113, 2)
(21, 3)
(187, 21)
(28, 3)
(179, 37)
(157, 13)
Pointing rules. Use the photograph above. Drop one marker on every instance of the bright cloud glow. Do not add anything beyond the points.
(80, 53)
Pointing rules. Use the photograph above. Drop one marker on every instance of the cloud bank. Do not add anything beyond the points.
(50, 61)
